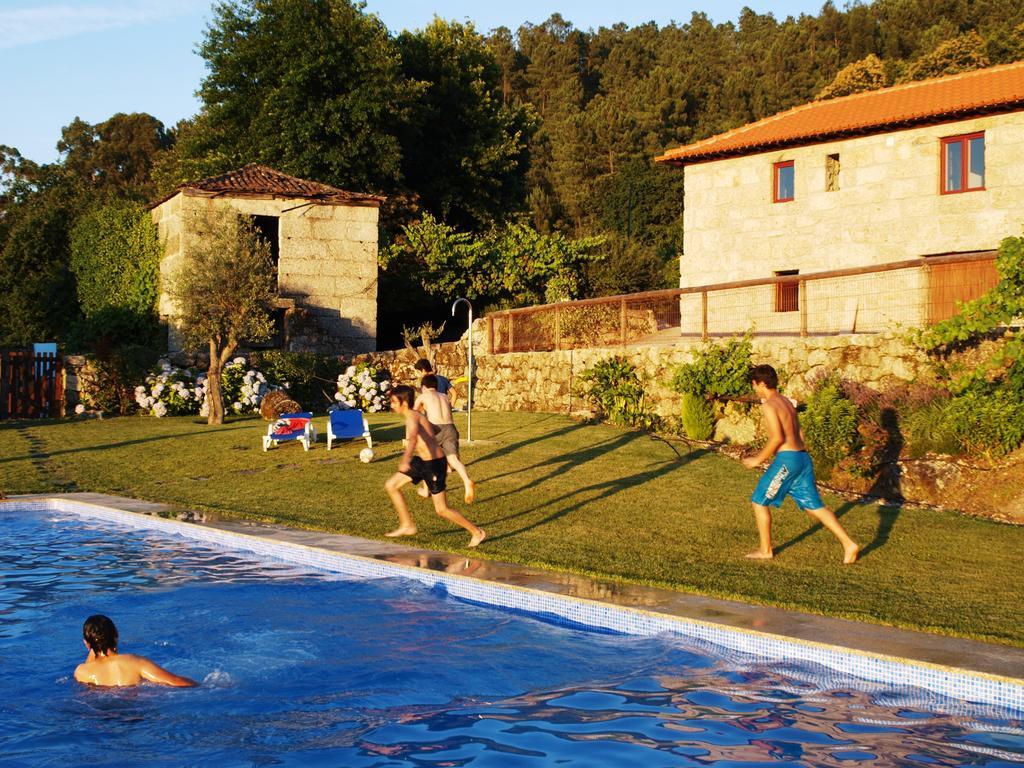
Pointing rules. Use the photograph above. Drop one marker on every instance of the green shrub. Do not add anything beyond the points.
(616, 391)
(717, 370)
(988, 423)
(829, 425)
(698, 417)
(310, 379)
(107, 381)
(929, 430)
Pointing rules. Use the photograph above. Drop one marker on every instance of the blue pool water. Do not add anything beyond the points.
(305, 669)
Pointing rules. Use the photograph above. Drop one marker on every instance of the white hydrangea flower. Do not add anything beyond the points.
(80, 409)
(159, 410)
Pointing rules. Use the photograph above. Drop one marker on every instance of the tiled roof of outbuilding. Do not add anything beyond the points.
(256, 180)
(926, 102)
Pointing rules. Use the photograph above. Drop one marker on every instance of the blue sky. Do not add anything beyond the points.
(94, 58)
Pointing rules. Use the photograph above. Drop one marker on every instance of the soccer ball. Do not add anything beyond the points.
(366, 455)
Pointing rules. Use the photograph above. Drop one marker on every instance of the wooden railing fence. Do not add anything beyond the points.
(870, 299)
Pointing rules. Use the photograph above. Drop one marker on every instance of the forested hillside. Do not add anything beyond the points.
(490, 146)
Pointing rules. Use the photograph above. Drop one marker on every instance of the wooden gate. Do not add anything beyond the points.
(956, 282)
(31, 385)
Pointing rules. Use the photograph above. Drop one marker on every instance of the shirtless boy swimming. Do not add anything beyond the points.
(438, 410)
(791, 472)
(104, 666)
(430, 466)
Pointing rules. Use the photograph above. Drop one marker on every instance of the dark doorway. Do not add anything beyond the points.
(268, 228)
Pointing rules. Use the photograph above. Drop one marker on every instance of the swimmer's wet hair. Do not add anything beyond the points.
(764, 374)
(403, 393)
(429, 381)
(100, 634)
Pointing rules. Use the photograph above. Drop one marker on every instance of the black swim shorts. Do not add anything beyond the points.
(434, 472)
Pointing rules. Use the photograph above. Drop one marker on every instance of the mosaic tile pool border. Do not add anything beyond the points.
(891, 671)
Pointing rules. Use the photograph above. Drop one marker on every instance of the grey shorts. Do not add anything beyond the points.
(447, 437)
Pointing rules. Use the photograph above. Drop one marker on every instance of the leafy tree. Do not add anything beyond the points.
(115, 256)
(629, 266)
(38, 299)
(310, 87)
(642, 202)
(555, 87)
(961, 54)
(868, 74)
(222, 293)
(465, 148)
(513, 264)
(116, 155)
(1006, 44)
(512, 63)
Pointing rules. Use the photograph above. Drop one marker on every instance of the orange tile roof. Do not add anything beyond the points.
(925, 102)
(256, 180)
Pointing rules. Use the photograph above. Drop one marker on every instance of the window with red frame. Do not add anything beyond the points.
(787, 295)
(783, 182)
(963, 163)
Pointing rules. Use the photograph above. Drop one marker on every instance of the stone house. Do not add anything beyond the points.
(913, 173)
(323, 242)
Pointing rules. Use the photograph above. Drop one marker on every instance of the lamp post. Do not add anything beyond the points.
(469, 370)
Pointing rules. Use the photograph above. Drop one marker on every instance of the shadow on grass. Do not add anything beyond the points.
(388, 434)
(518, 427)
(603, 490)
(566, 461)
(513, 447)
(106, 446)
(887, 515)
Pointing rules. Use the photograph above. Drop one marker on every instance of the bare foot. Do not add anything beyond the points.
(850, 554)
(401, 532)
(759, 555)
(479, 536)
(470, 492)
(422, 491)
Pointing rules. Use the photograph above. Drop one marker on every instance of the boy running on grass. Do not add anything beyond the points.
(791, 472)
(438, 410)
(424, 367)
(430, 466)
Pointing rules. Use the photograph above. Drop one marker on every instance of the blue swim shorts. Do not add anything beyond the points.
(791, 473)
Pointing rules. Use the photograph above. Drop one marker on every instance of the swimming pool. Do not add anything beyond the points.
(304, 667)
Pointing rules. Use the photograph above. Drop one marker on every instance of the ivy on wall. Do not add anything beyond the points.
(115, 256)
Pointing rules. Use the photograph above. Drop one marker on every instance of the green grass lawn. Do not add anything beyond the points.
(560, 494)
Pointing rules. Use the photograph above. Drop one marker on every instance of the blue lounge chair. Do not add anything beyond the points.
(346, 425)
(291, 426)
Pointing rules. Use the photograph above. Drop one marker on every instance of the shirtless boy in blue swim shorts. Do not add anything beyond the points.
(790, 473)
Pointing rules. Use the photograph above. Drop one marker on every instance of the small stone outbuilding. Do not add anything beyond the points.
(323, 241)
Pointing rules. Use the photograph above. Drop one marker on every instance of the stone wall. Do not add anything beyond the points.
(549, 381)
(327, 263)
(887, 208)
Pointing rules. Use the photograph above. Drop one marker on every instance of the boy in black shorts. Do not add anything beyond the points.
(430, 466)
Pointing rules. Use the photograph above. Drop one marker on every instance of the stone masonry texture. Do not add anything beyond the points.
(328, 262)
